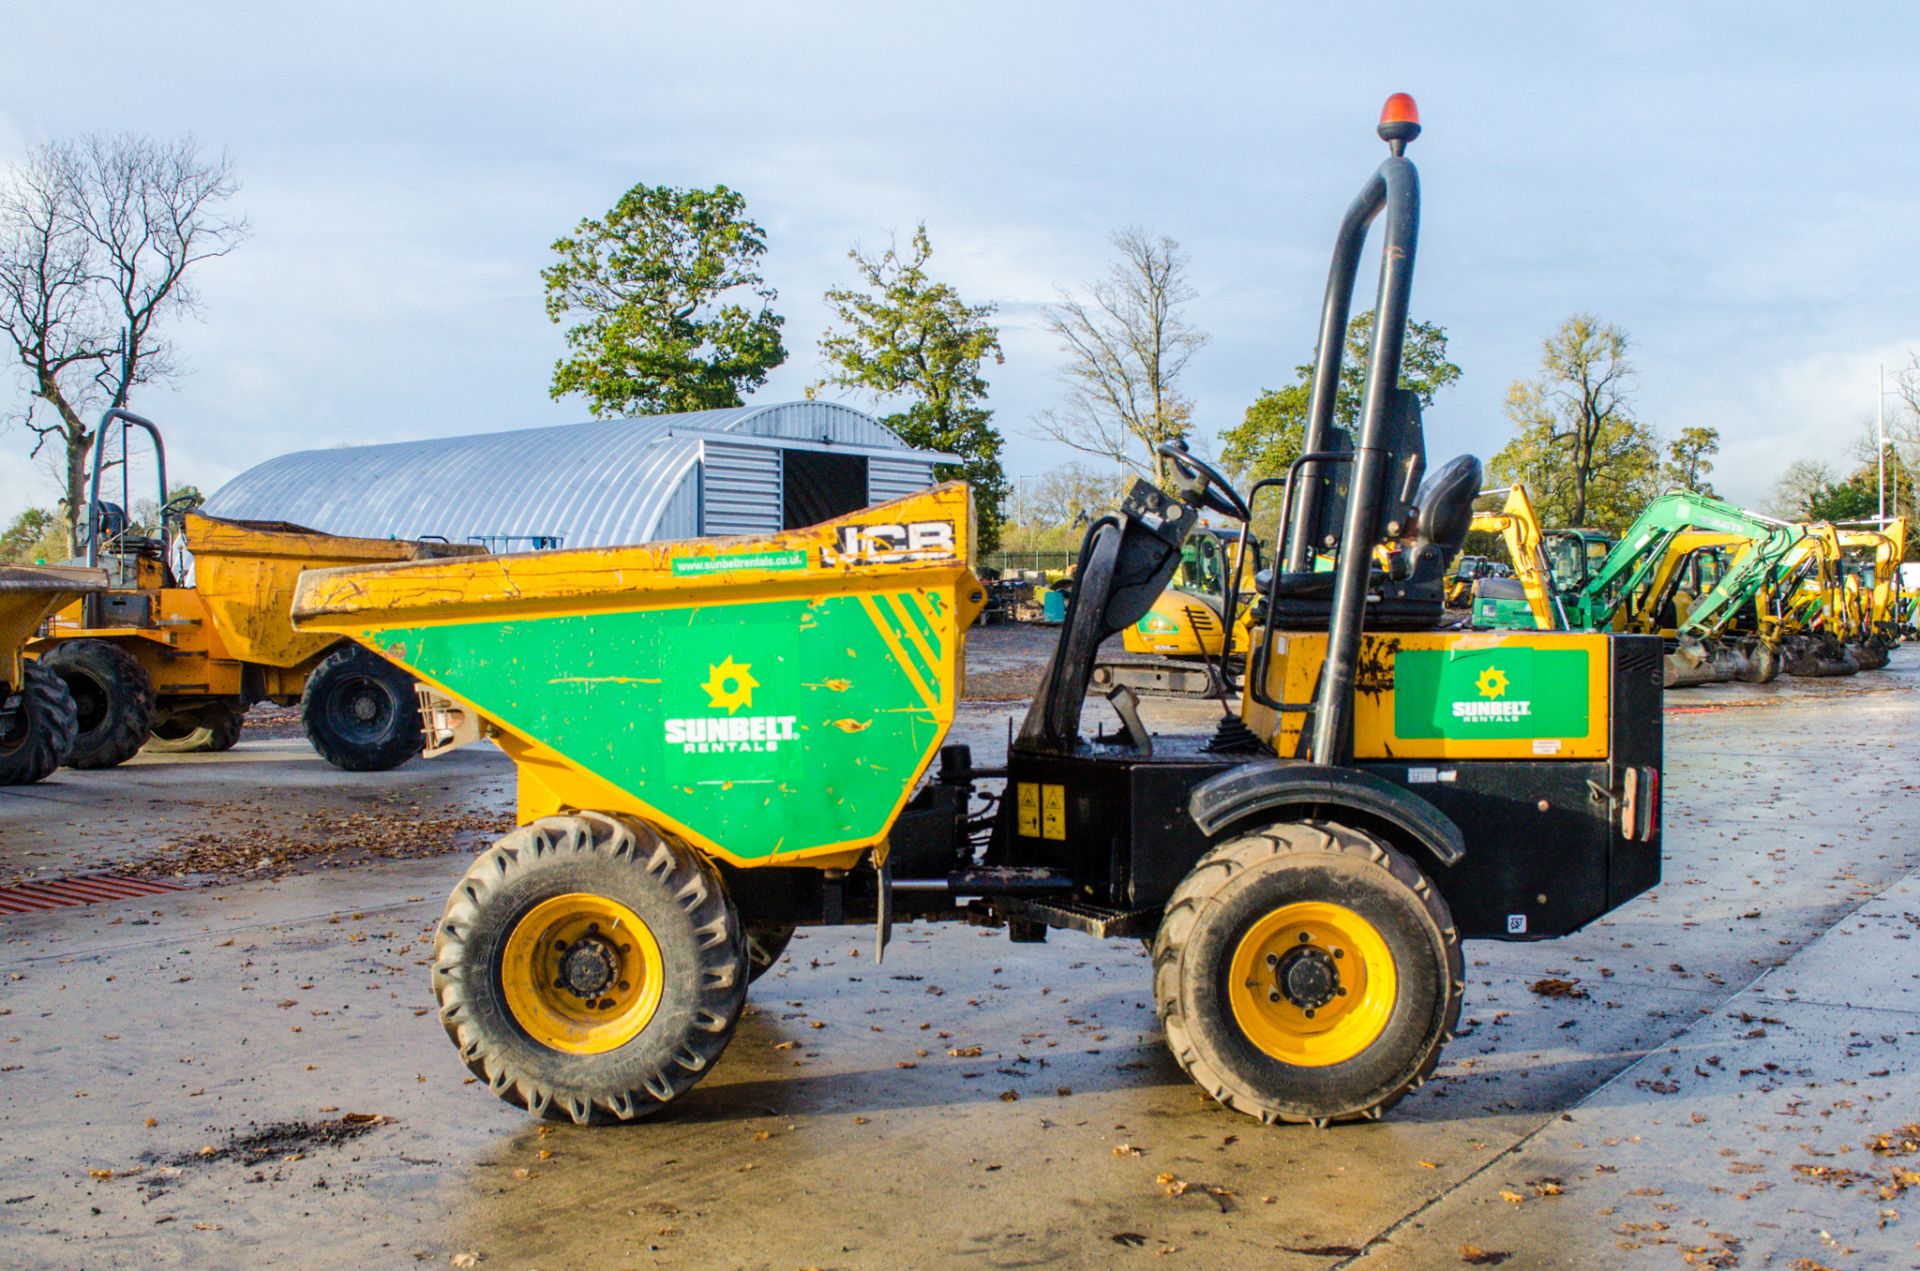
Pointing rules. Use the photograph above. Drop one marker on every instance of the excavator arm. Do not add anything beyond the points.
(1519, 529)
(1608, 596)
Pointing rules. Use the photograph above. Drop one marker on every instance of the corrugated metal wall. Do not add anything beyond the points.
(739, 489)
(590, 485)
(816, 421)
(891, 478)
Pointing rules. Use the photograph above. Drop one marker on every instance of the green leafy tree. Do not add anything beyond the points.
(669, 310)
(1270, 437)
(1690, 459)
(1576, 443)
(1855, 499)
(902, 334)
(1809, 491)
(36, 534)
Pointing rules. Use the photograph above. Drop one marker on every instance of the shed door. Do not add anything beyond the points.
(818, 485)
(739, 489)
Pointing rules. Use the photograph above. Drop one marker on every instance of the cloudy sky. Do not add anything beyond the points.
(1728, 182)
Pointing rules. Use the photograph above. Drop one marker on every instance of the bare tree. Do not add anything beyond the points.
(1126, 344)
(96, 238)
(1794, 491)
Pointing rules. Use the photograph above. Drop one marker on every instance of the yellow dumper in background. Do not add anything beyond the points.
(159, 661)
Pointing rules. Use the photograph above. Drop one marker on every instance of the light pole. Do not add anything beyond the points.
(1880, 439)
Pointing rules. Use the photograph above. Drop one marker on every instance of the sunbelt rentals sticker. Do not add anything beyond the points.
(1503, 693)
(729, 687)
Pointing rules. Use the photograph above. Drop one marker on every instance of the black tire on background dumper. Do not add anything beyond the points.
(113, 697)
(361, 712)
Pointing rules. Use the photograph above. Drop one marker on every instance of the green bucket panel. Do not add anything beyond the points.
(766, 727)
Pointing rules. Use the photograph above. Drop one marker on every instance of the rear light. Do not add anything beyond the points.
(1640, 804)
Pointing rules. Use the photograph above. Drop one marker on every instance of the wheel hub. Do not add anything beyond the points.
(1312, 983)
(365, 706)
(587, 967)
(1308, 977)
(581, 973)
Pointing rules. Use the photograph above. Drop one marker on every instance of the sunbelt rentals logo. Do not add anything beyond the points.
(1493, 705)
(729, 687)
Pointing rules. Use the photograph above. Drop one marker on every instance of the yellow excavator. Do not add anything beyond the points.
(1532, 580)
(1873, 595)
(1185, 620)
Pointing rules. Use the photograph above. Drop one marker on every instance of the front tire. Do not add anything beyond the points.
(113, 697)
(361, 712)
(36, 736)
(1307, 972)
(588, 968)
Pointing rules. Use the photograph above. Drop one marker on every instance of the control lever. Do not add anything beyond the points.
(1127, 706)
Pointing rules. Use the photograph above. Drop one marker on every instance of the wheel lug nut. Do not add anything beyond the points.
(1309, 1012)
(1341, 992)
(1339, 953)
(1303, 937)
(623, 987)
(1273, 995)
(1273, 959)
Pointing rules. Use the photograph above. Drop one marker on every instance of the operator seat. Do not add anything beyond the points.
(1410, 594)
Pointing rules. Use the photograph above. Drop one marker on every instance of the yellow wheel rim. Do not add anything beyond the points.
(582, 974)
(1312, 984)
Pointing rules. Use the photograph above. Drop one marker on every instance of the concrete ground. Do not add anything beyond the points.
(250, 1072)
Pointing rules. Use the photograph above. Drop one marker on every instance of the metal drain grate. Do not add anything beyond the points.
(87, 889)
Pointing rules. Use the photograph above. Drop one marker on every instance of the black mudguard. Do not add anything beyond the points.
(1252, 792)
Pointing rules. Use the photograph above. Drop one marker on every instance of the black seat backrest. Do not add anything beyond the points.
(1443, 511)
(1425, 529)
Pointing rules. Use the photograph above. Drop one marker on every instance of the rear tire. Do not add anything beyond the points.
(36, 738)
(209, 730)
(766, 941)
(113, 698)
(360, 711)
(546, 1040)
(1236, 985)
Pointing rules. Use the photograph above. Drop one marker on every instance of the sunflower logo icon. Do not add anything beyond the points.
(1492, 682)
(730, 685)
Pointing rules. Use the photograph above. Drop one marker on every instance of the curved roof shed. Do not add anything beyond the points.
(747, 470)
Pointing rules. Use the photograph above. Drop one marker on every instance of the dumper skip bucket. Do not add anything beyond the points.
(768, 700)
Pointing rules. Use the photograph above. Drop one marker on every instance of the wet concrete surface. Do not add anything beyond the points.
(852, 1124)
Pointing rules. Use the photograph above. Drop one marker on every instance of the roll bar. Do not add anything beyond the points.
(1393, 188)
(125, 417)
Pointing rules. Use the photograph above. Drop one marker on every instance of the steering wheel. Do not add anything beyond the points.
(1200, 482)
